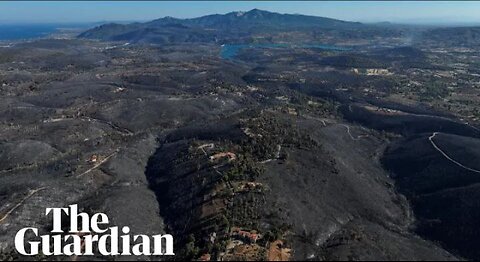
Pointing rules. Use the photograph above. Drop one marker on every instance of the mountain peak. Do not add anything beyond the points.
(259, 13)
(255, 10)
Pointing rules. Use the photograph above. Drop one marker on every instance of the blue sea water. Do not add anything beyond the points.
(12, 32)
(229, 51)
(24, 31)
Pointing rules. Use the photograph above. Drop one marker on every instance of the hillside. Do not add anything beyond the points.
(215, 28)
(340, 141)
(452, 36)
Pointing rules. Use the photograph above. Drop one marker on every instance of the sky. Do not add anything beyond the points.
(428, 12)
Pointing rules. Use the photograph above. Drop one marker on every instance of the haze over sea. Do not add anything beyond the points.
(18, 32)
(31, 31)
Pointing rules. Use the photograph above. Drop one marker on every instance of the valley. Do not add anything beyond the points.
(320, 140)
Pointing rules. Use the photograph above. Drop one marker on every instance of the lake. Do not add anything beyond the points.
(229, 51)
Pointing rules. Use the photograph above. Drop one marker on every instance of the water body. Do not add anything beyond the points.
(21, 32)
(13, 32)
(229, 51)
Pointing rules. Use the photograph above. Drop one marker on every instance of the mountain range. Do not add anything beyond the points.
(216, 28)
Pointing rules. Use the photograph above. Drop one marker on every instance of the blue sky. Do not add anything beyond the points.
(363, 11)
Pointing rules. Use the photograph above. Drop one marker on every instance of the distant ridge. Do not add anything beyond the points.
(214, 28)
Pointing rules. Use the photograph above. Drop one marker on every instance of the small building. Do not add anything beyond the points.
(205, 257)
(93, 159)
(248, 237)
(229, 155)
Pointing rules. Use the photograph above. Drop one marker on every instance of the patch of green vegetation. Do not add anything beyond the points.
(433, 90)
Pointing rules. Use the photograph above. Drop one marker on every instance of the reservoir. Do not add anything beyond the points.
(229, 51)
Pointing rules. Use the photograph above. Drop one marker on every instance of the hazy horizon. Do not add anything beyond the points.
(126, 11)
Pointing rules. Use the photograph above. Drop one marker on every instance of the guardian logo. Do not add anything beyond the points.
(94, 235)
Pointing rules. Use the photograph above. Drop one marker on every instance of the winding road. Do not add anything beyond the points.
(350, 134)
(447, 156)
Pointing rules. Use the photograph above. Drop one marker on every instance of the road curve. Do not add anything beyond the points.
(350, 134)
(448, 157)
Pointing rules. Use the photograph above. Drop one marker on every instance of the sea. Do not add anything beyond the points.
(15, 32)
(22, 32)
